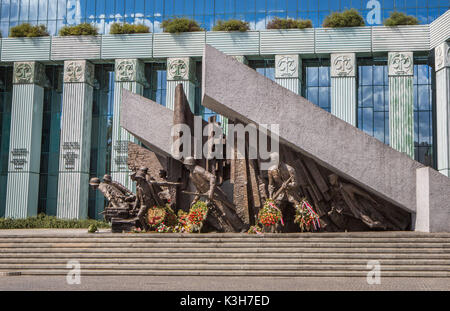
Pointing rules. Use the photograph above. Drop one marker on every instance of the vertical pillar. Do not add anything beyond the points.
(442, 66)
(25, 140)
(401, 103)
(288, 72)
(129, 75)
(75, 143)
(343, 87)
(180, 70)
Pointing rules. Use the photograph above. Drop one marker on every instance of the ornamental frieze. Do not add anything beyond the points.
(179, 69)
(287, 66)
(442, 56)
(29, 73)
(130, 70)
(78, 71)
(401, 64)
(343, 65)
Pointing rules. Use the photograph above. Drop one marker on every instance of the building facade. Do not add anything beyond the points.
(60, 96)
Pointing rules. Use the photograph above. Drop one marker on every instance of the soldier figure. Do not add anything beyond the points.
(130, 196)
(282, 179)
(146, 196)
(115, 197)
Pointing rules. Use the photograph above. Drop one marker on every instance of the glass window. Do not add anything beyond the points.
(317, 88)
(373, 99)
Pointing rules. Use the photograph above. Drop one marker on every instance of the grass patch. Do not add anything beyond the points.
(349, 18)
(289, 23)
(231, 25)
(125, 28)
(26, 30)
(399, 18)
(50, 222)
(84, 29)
(177, 25)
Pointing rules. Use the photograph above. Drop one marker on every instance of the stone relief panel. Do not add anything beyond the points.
(442, 56)
(179, 69)
(130, 70)
(401, 64)
(78, 71)
(29, 73)
(343, 65)
(287, 66)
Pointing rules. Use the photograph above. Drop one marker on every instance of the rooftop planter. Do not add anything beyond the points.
(400, 19)
(287, 41)
(127, 41)
(336, 40)
(25, 42)
(179, 25)
(401, 38)
(289, 23)
(234, 42)
(77, 42)
(231, 25)
(178, 44)
(349, 18)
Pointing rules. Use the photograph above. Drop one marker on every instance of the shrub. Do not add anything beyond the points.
(120, 29)
(44, 221)
(178, 25)
(28, 30)
(84, 29)
(349, 18)
(289, 23)
(399, 18)
(231, 25)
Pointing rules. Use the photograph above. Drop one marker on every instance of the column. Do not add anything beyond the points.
(180, 70)
(401, 103)
(75, 143)
(129, 75)
(288, 72)
(442, 67)
(343, 87)
(25, 140)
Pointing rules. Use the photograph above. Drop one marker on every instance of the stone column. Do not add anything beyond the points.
(129, 75)
(442, 66)
(180, 70)
(401, 103)
(75, 142)
(25, 140)
(288, 72)
(343, 87)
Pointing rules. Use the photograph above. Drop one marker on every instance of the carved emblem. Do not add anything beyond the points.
(178, 69)
(401, 64)
(23, 73)
(130, 70)
(80, 71)
(343, 65)
(286, 66)
(442, 56)
(74, 72)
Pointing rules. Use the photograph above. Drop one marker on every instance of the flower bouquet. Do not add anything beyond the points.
(270, 214)
(255, 230)
(306, 217)
(197, 216)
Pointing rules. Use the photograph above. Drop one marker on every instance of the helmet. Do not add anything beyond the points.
(141, 173)
(94, 181)
(189, 161)
(107, 178)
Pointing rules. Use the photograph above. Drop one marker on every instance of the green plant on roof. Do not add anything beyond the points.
(177, 25)
(84, 29)
(231, 25)
(125, 28)
(348, 18)
(289, 23)
(399, 18)
(28, 30)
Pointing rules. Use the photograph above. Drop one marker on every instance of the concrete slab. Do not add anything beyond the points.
(240, 93)
(150, 122)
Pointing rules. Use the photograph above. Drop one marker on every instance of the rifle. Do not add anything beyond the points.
(166, 183)
(282, 188)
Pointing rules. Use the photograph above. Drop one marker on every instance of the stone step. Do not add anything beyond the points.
(59, 233)
(262, 240)
(256, 273)
(227, 250)
(293, 267)
(14, 245)
(223, 261)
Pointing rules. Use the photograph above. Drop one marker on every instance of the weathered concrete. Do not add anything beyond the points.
(137, 115)
(238, 92)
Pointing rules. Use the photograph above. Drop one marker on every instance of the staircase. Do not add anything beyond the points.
(401, 254)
